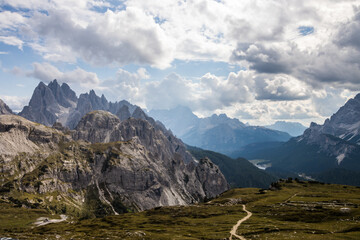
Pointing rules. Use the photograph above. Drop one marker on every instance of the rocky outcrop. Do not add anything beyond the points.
(208, 174)
(98, 127)
(121, 165)
(4, 109)
(15, 127)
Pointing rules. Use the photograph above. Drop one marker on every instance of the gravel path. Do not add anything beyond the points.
(236, 226)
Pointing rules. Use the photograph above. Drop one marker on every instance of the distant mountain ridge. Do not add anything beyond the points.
(217, 133)
(329, 151)
(293, 128)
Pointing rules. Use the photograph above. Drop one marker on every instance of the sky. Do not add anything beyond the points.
(260, 61)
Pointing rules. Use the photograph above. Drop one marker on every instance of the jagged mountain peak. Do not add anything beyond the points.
(123, 113)
(50, 103)
(314, 124)
(139, 113)
(93, 94)
(41, 85)
(345, 123)
(54, 84)
(4, 109)
(68, 92)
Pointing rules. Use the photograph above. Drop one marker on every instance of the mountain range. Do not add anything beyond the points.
(292, 128)
(330, 152)
(104, 166)
(59, 107)
(54, 103)
(217, 133)
(91, 157)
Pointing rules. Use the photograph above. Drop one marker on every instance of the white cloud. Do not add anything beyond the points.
(281, 87)
(121, 37)
(173, 90)
(126, 85)
(157, 32)
(10, 20)
(281, 66)
(220, 92)
(13, 41)
(15, 103)
(46, 72)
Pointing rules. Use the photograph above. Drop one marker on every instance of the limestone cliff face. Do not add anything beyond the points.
(120, 164)
(162, 146)
(19, 135)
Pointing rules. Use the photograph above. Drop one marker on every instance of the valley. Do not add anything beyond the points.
(184, 120)
(113, 172)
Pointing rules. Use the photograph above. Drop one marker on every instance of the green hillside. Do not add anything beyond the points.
(291, 210)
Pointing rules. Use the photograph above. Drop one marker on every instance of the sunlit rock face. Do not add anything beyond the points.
(122, 164)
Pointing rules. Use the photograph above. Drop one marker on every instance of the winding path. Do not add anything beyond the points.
(236, 226)
(288, 200)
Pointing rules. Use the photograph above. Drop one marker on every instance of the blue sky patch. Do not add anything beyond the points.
(305, 30)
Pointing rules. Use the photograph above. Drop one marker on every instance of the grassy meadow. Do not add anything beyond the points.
(291, 210)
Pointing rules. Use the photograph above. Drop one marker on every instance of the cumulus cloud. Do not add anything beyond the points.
(262, 113)
(114, 37)
(210, 92)
(173, 90)
(15, 103)
(293, 54)
(333, 61)
(281, 87)
(10, 20)
(157, 32)
(13, 41)
(46, 72)
(126, 85)
(219, 92)
(349, 32)
(273, 59)
(328, 101)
